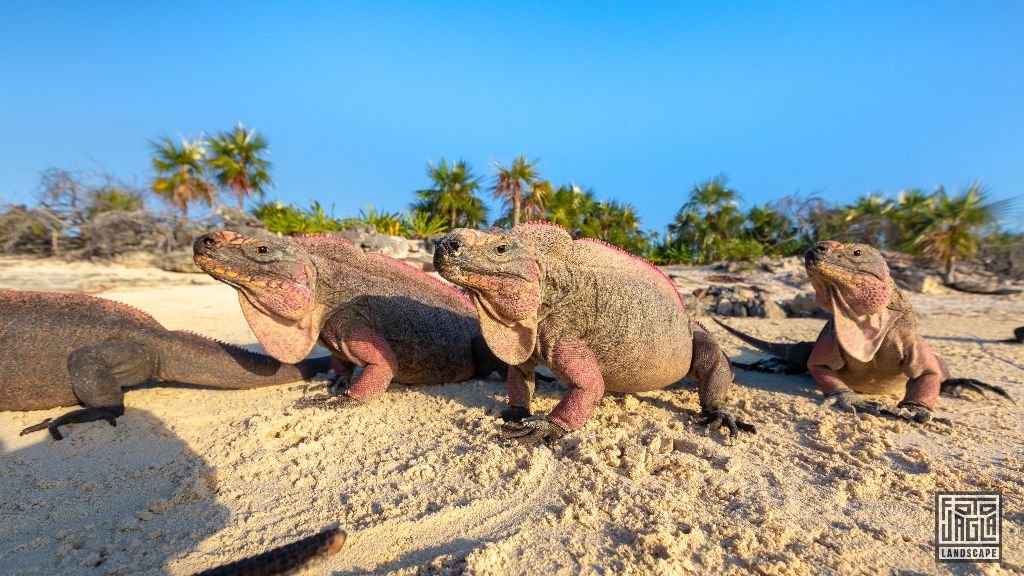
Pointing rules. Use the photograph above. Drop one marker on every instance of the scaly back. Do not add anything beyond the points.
(385, 275)
(79, 308)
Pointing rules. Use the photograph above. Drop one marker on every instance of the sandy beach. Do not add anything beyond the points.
(191, 478)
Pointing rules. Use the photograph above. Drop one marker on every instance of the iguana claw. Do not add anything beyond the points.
(80, 416)
(716, 419)
(912, 412)
(956, 387)
(327, 401)
(532, 431)
(851, 402)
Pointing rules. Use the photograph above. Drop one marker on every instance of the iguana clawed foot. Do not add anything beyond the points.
(532, 431)
(956, 387)
(326, 401)
(914, 413)
(717, 419)
(850, 402)
(109, 414)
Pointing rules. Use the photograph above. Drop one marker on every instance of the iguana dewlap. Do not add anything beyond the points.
(369, 310)
(67, 349)
(600, 318)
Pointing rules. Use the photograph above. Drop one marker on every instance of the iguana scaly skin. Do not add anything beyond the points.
(870, 344)
(66, 349)
(369, 310)
(599, 317)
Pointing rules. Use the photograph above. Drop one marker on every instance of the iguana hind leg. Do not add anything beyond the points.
(956, 387)
(98, 373)
(710, 368)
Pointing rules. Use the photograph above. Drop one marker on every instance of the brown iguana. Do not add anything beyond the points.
(871, 344)
(106, 346)
(369, 310)
(599, 317)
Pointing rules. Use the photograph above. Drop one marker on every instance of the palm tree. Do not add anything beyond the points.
(952, 232)
(913, 210)
(708, 220)
(769, 227)
(179, 173)
(511, 181)
(453, 194)
(533, 203)
(870, 220)
(238, 162)
(568, 205)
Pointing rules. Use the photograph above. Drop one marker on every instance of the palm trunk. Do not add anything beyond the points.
(951, 269)
(451, 219)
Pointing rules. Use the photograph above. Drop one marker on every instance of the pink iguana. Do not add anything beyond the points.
(66, 349)
(369, 310)
(599, 317)
(871, 343)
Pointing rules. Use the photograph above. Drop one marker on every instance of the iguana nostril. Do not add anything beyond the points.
(454, 245)
(209, 242)
(820, 248)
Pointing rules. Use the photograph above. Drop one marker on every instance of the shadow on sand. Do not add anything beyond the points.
(123, 499)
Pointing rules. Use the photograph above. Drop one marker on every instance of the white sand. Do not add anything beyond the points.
(191, 478)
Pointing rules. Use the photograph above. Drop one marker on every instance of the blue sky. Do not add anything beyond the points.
(638, 102)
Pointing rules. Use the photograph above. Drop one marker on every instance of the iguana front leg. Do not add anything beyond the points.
(710, 368)
(573, 362)
(823, 366)
(520, 384)
(372, 351)
(98, 373)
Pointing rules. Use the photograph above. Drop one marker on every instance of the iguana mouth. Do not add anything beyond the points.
(817, 263)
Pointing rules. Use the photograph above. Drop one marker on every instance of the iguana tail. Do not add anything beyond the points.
(193, 359)
(796, 354)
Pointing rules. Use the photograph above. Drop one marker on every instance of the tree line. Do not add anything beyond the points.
(709, 225)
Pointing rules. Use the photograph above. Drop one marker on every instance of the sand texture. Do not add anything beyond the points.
(191, 478)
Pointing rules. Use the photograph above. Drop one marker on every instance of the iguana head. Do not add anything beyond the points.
(851, 281)
(503, 272)
(276, 283)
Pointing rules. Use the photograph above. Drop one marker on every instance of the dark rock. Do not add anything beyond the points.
(178, 261)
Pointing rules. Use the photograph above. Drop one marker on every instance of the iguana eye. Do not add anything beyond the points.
(263, 250)
(856, 252)
(501, 248)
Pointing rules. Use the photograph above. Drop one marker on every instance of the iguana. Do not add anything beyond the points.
(66, 349)
(870, 344)
(369, 310)
(600, 318)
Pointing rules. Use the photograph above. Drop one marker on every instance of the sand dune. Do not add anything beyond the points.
(191, 478)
